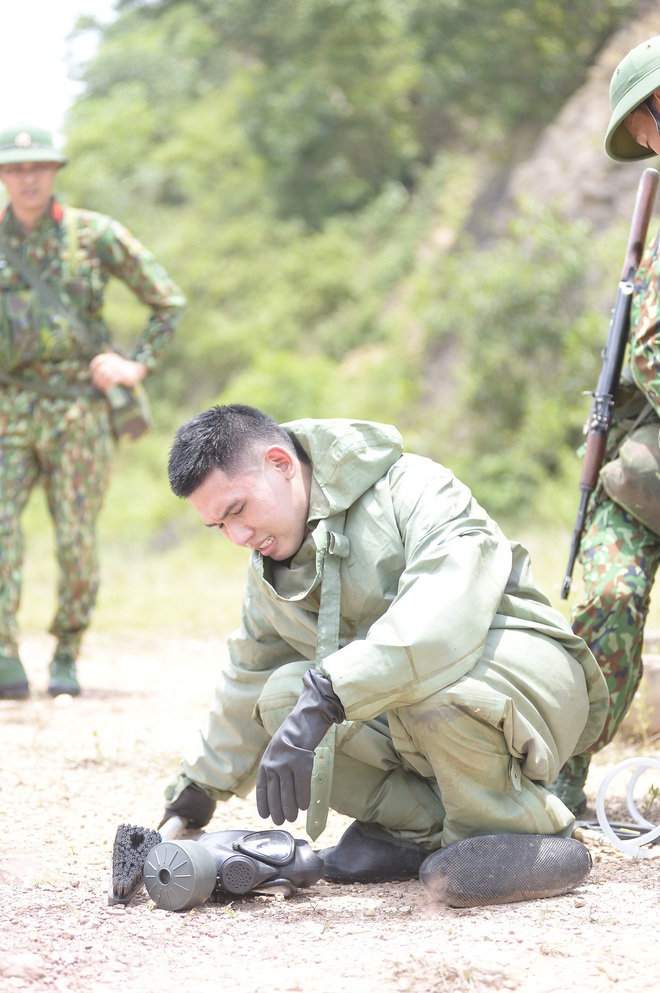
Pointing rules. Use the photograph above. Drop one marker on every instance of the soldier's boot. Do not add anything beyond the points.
(13, 680)
(63, 676)
(569, 784)
(504, 868)
(365, 853)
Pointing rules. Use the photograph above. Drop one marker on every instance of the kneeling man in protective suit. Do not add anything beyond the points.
(395, 660)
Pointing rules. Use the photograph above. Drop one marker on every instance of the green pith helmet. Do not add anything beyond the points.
(635, 78)
(24, 143)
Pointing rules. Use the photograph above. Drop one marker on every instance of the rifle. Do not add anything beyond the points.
(600, 419)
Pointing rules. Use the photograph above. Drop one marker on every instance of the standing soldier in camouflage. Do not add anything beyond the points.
(620, 549)
(54, 417)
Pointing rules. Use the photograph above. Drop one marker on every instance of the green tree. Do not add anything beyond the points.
(305, 169)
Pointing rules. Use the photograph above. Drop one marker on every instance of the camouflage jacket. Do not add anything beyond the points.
(77, 251)
(645, 323)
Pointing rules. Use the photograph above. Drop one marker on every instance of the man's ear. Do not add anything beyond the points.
(281, 459)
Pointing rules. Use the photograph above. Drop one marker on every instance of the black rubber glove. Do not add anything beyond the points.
(193, 805)
(285, 773)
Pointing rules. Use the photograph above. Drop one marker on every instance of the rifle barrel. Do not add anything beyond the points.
(600, 419)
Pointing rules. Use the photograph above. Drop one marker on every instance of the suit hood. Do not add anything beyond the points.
(347, 458)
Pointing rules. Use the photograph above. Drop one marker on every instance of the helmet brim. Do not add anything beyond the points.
(634, 80)
(619, 143)
(8, 156)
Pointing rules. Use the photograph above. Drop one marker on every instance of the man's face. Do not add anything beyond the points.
(642, 126)
(264, 507)
(29, 185)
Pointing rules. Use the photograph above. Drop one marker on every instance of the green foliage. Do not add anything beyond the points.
(368, 385)
(521, 329)
(306, 169)
(502, 64)
(344, 76)
(338, 98)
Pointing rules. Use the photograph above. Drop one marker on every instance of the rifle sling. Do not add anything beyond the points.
(49, 298)
(46, 292)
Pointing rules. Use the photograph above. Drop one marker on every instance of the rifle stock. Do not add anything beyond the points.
(600, 419)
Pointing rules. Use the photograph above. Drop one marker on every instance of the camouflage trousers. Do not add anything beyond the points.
(65, 444)
(619, 557)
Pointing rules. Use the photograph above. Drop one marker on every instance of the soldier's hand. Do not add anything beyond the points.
(110, 369)
(193, 805)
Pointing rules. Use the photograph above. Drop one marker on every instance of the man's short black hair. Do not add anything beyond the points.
(221, 438)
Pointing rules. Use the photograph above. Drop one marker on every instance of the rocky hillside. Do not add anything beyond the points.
(568, 165)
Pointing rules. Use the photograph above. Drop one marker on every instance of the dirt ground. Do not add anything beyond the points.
(73, 770)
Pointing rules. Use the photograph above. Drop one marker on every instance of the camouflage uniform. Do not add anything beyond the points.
(56, 426)
(619, 554)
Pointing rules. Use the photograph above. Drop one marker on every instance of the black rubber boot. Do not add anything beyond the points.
(365, 853)
(505, 868)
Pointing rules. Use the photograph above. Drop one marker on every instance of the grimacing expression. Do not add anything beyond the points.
(263, 507)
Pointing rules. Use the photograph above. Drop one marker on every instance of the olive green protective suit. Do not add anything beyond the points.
(464, 690)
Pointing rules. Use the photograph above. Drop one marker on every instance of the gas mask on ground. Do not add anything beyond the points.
(179, 875)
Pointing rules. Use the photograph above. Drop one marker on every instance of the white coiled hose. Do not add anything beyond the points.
(638, 845)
